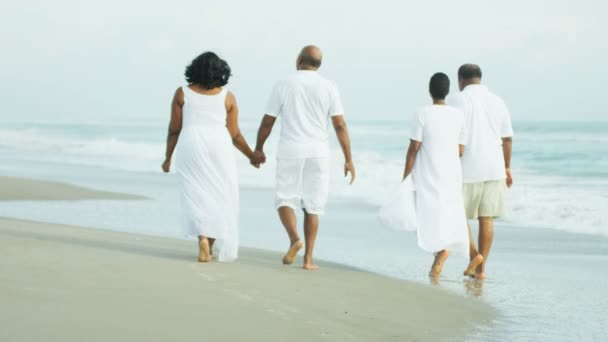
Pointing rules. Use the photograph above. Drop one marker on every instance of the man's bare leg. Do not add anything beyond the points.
(472, 248)
(288, 219)
(475, 258)
(486, 236)
(311, 227)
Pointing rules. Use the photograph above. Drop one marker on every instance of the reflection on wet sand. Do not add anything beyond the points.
(473, 286)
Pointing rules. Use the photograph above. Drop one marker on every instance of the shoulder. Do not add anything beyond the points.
(290, 79)
(332, 85)
(423, 109)
(179, 96)
(456, 114)
(455, 100)
(230, 97)
(454, 110)
(326, 81)
(497, 101)
(283, 84)
(421, 112)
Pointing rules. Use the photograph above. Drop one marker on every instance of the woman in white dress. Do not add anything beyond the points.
(433, 160)
(203, 131)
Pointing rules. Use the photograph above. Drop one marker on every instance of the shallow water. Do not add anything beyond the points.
(547, 285)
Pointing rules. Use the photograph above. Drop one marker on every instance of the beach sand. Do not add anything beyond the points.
(65, 283)
(21, 189)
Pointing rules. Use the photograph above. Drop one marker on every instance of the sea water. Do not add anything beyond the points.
(548, 264)
(560, 169)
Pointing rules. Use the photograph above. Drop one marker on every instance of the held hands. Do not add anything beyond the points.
(509, 178)
(257, 159)
(349, 167)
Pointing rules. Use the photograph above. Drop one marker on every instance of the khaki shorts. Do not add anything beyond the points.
(485, 199)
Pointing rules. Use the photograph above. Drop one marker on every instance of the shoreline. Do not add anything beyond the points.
(24, 189)
(80, 283)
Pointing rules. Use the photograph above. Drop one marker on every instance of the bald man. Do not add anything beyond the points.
(305, 101)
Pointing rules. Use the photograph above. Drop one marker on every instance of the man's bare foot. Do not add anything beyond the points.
(438, 263)
(204, 254)
(476, 261)
(292, 252)
(310, 267)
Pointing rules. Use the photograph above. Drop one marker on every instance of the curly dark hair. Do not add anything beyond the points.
(208, 71)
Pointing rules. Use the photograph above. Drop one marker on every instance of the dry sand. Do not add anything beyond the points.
(63, 283)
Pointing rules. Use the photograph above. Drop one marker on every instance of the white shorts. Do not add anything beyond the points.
(303, 182)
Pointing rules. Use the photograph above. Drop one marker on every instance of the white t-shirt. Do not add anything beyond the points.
(487, 122)
(304, 101)
(440, 129)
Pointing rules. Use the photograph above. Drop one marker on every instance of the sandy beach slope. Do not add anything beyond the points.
(21, 189)
(65, 283)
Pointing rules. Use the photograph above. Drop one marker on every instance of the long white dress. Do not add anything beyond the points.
(206, 165)
(437, 178)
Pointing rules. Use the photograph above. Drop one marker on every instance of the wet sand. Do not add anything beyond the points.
(61, 283)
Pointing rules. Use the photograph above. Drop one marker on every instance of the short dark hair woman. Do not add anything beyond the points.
(436, 140)
(203, 130)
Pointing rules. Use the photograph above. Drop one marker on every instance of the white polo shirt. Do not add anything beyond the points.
(487, 121)
(304, 101)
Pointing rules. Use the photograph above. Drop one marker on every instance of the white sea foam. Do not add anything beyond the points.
(537, 199)
(105, 152)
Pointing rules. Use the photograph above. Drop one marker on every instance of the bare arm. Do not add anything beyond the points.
(232, 123)
(507, 146)
(410, 158)
(344, 139)
(460, 150)
(175, 127)
(263, 134)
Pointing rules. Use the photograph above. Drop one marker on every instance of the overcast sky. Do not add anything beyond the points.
(106, 60)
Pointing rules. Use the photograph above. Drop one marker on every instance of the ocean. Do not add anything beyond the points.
(560, 169)
(547, 269)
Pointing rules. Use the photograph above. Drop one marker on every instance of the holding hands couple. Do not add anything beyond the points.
(257, 158)
(204, 119)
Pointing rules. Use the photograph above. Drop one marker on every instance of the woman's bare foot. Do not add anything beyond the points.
(292, 252)
(310, 267)
(476, 261)
(204, 254)
(437, 267)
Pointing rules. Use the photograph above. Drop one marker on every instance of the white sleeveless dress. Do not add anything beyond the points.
(437, 179)
(430, 199)
(206, 165)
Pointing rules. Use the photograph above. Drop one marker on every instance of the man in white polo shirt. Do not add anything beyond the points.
(485, 162)
(305, 101)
